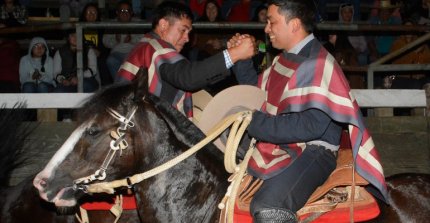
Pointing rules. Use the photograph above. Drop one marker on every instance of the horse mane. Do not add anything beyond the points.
(136, 91)
(184, 130)
(13, 132)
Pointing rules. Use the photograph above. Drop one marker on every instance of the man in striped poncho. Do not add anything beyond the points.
(171, 76)
(298, 129)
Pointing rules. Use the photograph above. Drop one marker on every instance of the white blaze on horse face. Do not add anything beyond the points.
(60, 155)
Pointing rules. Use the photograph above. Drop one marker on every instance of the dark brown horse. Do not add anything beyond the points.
(21, 203)
(188, 192)
(409, 195)
(139, 132)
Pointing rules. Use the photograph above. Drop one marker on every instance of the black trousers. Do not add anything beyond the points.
(293, 187)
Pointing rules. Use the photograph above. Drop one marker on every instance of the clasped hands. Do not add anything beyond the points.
(243, 46)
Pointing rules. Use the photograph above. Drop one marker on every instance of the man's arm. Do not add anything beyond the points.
(289, 128)
(190, 76)
(245, 72)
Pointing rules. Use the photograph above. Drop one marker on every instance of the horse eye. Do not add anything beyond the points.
(93, 130)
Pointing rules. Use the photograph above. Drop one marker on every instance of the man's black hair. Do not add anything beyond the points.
(301, 9)
(169, 9)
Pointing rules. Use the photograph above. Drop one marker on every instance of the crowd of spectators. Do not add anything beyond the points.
(105, 49)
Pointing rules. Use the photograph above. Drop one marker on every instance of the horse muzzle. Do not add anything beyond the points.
(65, 197)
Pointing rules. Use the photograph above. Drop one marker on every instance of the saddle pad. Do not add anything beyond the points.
(365, 207)
(129, 203)
(362, 212)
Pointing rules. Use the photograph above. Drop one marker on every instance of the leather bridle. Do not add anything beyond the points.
(118, 143)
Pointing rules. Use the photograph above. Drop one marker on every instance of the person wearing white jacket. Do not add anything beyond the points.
(36, 68)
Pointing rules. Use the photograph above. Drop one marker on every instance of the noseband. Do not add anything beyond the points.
(118, 142)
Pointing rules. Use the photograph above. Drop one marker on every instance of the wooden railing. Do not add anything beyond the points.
(366, 98)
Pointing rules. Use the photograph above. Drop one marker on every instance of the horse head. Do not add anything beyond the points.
(102, 147)
(124, 130)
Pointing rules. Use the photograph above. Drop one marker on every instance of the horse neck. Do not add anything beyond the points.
(176, 134)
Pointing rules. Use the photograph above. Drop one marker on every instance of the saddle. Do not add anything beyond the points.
(330, 202)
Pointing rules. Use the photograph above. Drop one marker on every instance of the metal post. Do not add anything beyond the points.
(79, 58)
(370, 75)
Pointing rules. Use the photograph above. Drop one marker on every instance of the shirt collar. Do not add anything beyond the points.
(296, 49)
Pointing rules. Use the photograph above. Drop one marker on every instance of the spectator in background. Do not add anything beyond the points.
(36, 68)
(260, 59)
(198, 7)
(206, 41)
(93, 38)
(422, 14)
(65, 71)
(345, 54)
(388, 14)
(240, 12)
(358, 42)
(347, 49)
(120, 43)
(9, 63)
(418, 55)
(65, 67)
(379, 46)
(260, 14)
(12, 14)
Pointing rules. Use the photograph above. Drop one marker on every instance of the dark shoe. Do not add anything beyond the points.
(275, 216)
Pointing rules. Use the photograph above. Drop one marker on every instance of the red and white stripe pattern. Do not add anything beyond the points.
(151, 53)
(295, 83)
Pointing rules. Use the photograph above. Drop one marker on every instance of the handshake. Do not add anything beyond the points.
(241, 47)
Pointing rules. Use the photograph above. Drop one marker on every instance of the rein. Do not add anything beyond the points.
(231, 166)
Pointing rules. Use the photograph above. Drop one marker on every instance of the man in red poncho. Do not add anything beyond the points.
(298, 128)
(171, 76)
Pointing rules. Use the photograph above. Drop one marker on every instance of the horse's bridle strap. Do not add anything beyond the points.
(108, 187)
(118, 143)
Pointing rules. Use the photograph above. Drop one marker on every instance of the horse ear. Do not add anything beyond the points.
(141, 84)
